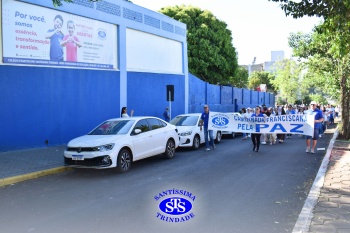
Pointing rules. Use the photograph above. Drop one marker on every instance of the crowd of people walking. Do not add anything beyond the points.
(324, 116)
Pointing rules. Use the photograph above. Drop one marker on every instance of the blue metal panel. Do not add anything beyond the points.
(246, 98)
(213, 95)
(255, 98)
(56, 105)
(226, 95)
(147, 93)
(197, 95)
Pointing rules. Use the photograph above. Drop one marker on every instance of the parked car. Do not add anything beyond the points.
(119, 142)
(232, 134)
(189, 130)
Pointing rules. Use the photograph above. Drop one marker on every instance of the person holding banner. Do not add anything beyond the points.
(248, 114)
(318, 120)
(290, 110)
(281, 136)
(256, 136)
(244, 113)
(204, 121)
(271, 137)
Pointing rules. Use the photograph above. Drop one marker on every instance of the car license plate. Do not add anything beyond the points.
(77, 157)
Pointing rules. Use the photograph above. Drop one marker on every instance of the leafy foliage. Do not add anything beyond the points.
(327, 49)
(328, 69)
(261, 77)
(288, 80)
(334, 12)
(241, 78)
(211, 56)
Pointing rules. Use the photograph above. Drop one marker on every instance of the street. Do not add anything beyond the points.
(235, 189)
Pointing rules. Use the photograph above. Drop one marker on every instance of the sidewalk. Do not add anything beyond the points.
(16, 166)
(332, 211)
(327, 208)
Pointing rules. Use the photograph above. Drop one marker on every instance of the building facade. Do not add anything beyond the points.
(66, 69)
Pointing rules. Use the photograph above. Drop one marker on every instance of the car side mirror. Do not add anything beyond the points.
(137, 131)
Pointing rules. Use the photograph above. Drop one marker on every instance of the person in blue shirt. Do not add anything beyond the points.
(318, 123)
(55, 35)
(166, 115)
(256, 136)
(331, 117)
(204, 121)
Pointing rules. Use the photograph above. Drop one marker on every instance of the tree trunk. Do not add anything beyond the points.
(344, 130)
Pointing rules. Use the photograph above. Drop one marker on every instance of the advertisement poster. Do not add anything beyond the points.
(40, 36)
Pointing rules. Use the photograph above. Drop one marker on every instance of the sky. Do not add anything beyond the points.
(258, 26)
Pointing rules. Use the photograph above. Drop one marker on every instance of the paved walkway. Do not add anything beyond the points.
(327, 208)
(332, 211)
(16, 166)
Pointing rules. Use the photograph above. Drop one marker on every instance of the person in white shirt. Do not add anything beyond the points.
(124, 112)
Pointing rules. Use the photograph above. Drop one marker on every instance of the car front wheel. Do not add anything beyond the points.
(196, 142)
(124, 161)
(169, 149)
(218, 137)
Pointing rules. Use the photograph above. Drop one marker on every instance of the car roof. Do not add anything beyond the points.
(133, 118)
(190, 114)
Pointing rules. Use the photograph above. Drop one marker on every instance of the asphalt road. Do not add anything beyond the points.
(235, 189)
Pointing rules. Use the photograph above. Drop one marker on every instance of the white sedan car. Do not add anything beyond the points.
(120, 141)
(189, 130)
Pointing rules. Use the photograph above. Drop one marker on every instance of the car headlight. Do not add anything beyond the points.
(104, 147)
(186, 133)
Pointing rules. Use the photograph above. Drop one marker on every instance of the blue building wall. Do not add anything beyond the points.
(224, 98)
(39, 104)
(43, 106)
(147, 93)
(197, 94)
(226, 95)
(51, 105)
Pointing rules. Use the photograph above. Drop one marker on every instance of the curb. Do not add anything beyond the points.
(33, 175)
(304, 220)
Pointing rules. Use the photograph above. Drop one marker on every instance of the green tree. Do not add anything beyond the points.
(261, 77)
(241, 78)
(211, 55)
(328, 70)
(288, 81)
(330, 45)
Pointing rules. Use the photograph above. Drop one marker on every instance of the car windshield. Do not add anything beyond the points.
(184, 121)
(113, 127)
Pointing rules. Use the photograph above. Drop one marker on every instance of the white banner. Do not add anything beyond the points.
(285, 124)
(36, 35)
